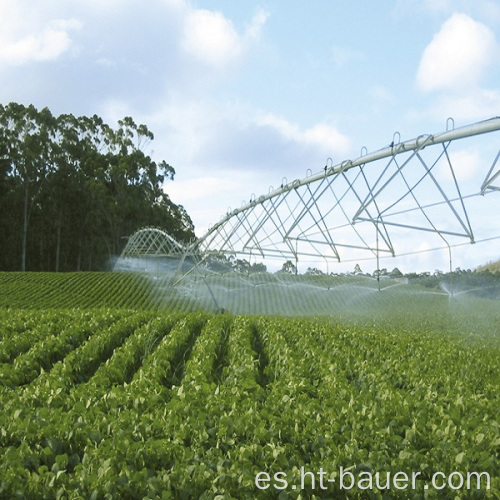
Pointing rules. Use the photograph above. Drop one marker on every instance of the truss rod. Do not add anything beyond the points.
(429, 205)
(419, 143)
(432, 229)
(343, 245)
(488, 180)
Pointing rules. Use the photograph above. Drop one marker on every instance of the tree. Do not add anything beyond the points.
(289, 267)
(73, 187)
(396, 273)
(241, 266)
(258, 267)
(27, 145)
(314, 271)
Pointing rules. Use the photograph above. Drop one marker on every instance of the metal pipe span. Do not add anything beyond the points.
(483, 127)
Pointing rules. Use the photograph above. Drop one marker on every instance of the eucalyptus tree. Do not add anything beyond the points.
(75, 187)
(27, 139)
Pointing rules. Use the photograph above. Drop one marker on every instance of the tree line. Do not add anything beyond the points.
(73, 188)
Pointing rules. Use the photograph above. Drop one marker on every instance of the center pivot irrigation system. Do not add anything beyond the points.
(435, 185)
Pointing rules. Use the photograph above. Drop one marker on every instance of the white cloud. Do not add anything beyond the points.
(469, 107)
(438, 5)
(209, 197)
(457, 56)
(326, 137)
(22, 40)
(125, 52)
(466, 165)
(211, 38)
(254, 29)
(233, 136)
(208, 186)
(224, 152)
(321, 136)
(343, 55)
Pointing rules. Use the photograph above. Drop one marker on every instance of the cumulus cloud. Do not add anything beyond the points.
(211, 38)
(230, 151)
(233, 136)
(480, 104)
(24, 39)
(457, 55)
(466, 163)
(321, 136)
(272, 145)
(254, 29)
(221, 150)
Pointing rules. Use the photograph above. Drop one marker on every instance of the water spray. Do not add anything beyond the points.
(197, 263)
(330, 216)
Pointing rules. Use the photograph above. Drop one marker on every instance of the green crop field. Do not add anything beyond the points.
(108, 390)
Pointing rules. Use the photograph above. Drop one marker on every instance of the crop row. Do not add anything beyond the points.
(354, 299)
(82, 290)
(139, 405)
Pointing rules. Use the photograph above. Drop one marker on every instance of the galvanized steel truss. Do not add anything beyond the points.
(152, 242)
(363, 205)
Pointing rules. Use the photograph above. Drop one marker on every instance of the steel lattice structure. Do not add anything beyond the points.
(152, 242)
(358, 208)
(368, 205)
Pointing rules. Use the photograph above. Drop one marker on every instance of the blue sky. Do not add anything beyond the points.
(242, 94)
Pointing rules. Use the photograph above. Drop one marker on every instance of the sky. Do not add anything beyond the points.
(240, 95)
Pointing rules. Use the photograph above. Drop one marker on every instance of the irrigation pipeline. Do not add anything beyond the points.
(422, 141)
(307, 198)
